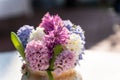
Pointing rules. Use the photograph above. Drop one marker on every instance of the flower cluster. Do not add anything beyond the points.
(39, 44)
(76, 30)
(65, 61)
(37, 55)
(24, 33)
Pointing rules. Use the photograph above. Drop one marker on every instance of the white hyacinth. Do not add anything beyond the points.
(74, 44)
(37, 34)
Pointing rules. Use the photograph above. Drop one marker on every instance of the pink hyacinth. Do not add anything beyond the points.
(65, 61)
(56, 37)
(50, 23)
(55, 31)
(37, 55)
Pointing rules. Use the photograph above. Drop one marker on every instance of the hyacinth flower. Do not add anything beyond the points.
(64, 61)
(37, 55)
(24, 33)
(76, 30)
(56, 33)
(54, 46)
(51, 22)
(37, 34)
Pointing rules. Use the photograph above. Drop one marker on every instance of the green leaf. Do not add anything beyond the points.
(57, 50)
(17, 44)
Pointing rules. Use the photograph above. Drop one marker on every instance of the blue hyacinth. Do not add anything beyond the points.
(74, 29)
(24, 33)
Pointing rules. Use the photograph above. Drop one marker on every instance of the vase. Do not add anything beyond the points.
(28, 74)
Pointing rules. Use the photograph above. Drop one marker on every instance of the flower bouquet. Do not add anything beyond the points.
(51, 51)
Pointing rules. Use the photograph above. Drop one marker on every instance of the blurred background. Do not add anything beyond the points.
(100, 19)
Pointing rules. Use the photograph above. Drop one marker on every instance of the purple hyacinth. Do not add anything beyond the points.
(24, 33)
(55, 31)
(56, 37)
(65, 61)
(50, 23)
(37, 55)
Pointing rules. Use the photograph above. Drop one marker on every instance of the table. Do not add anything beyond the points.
(96, 65)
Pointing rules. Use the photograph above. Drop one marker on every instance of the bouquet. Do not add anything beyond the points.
(55, 46)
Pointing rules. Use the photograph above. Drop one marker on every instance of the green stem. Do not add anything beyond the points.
(50, 75)
(52, 62)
